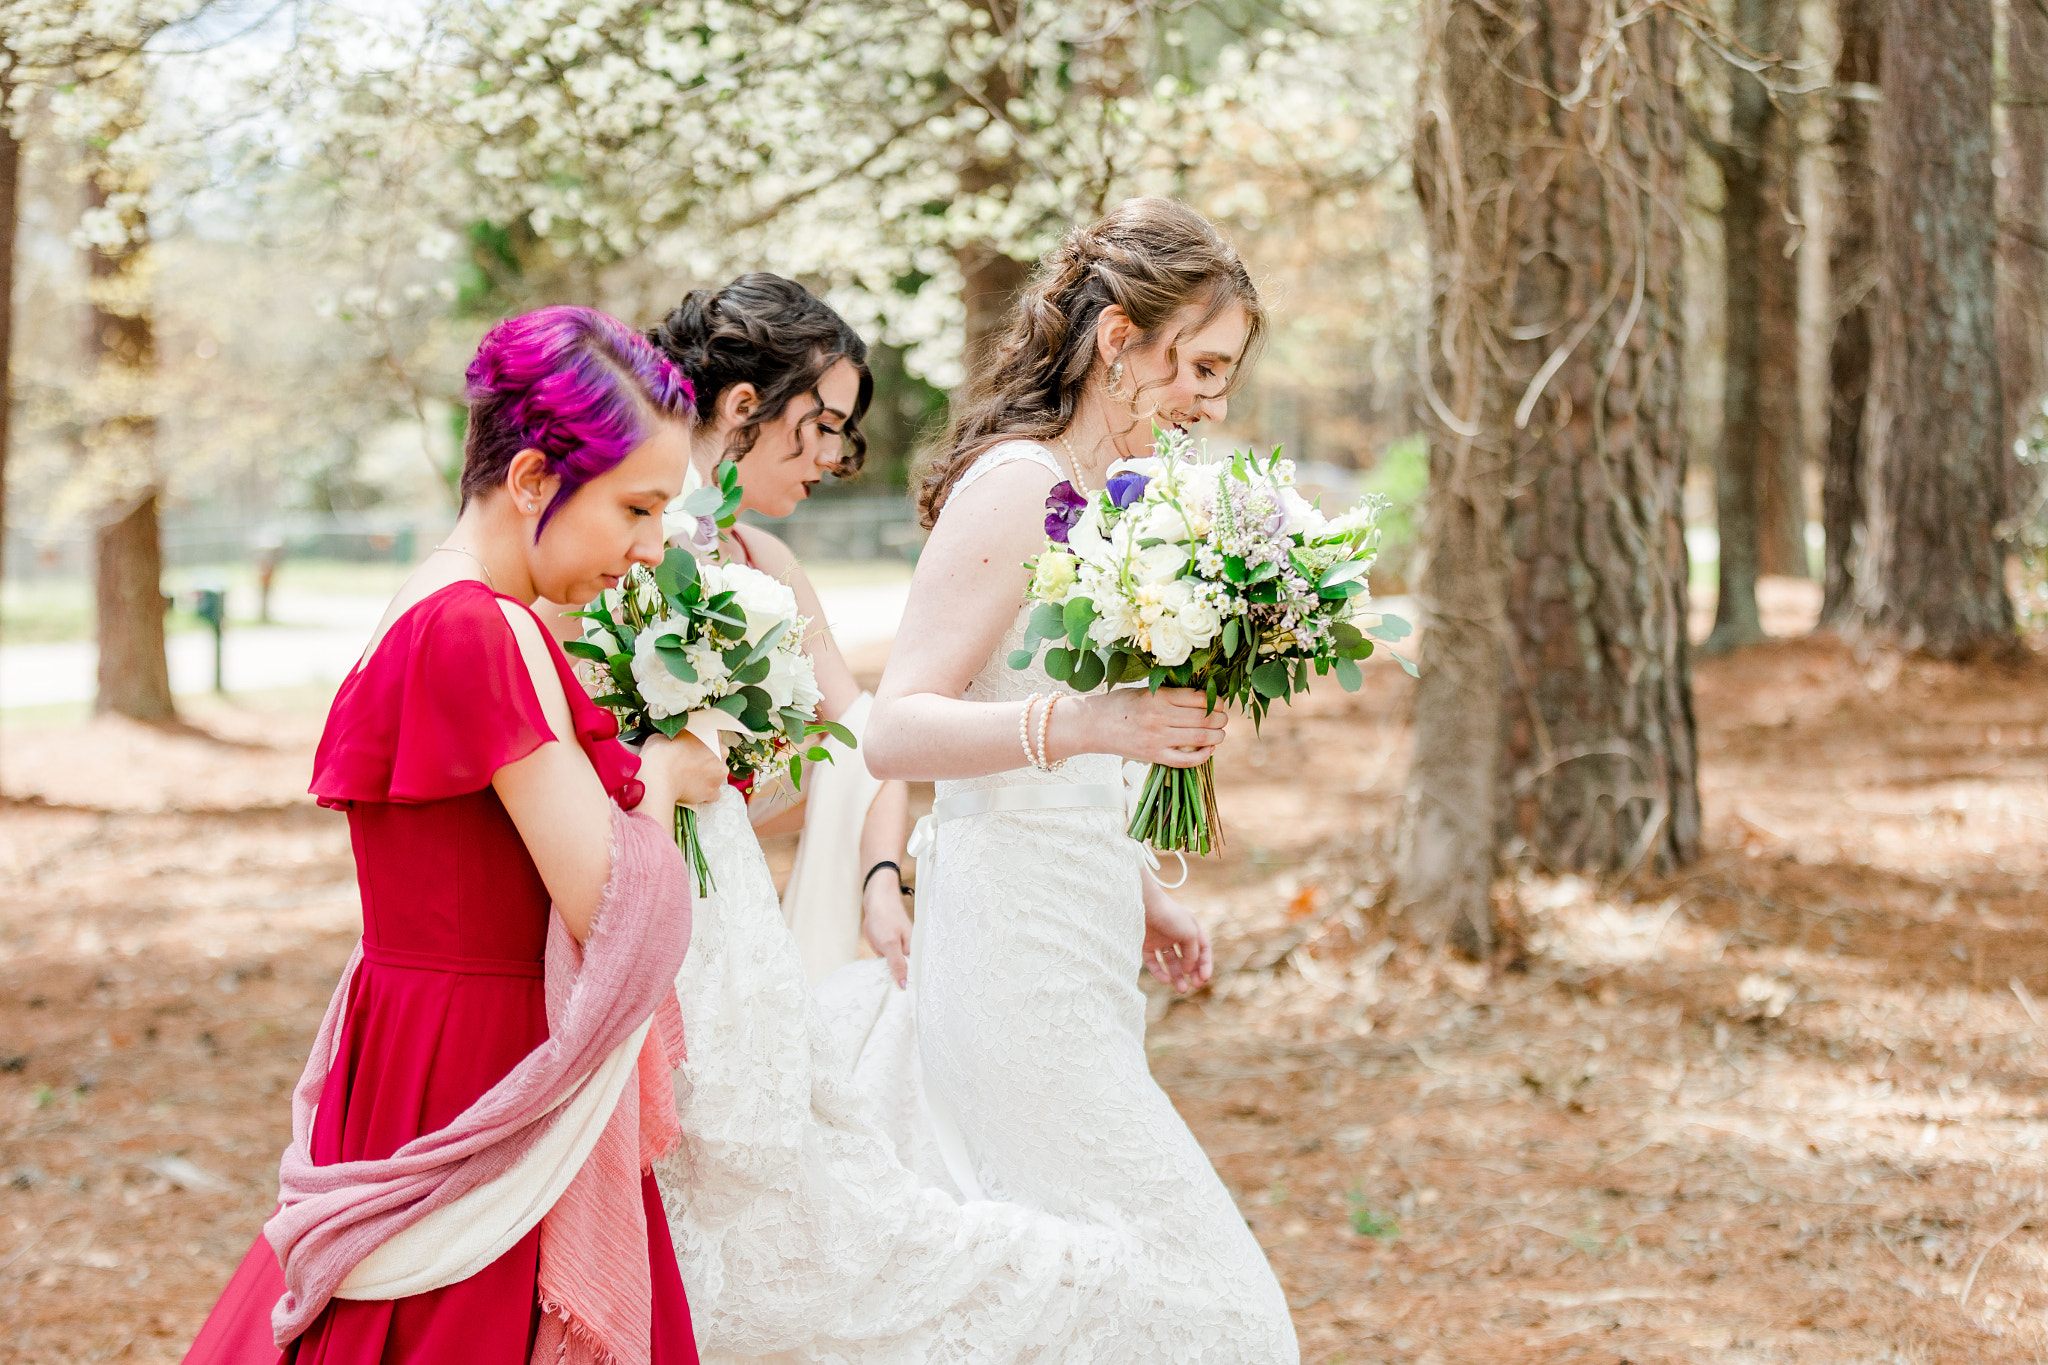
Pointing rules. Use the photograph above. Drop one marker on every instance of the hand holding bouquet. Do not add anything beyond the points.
(1217, 576)
(714, 649)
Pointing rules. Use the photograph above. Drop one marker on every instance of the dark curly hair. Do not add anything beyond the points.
(773, 333)
(1149, 257)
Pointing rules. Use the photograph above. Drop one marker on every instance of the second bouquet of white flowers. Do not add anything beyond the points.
(1217, 576)
(714, 649)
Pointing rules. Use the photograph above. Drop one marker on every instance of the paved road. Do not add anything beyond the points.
(320, 644)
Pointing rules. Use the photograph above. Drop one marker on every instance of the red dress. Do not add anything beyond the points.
(448, 997)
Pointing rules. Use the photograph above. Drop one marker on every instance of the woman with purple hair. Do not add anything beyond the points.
(468, 1180)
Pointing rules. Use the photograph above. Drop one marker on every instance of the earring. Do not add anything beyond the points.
(1116, 381)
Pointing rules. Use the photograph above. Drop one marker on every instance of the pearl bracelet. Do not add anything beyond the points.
(1024, 727)
(1045, 764)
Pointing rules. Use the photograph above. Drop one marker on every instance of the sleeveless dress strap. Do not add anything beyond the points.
(1007, 452)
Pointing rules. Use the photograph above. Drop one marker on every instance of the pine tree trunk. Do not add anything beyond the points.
(1852, 272)
(1554, 645)
(2023, 244)
(10, 213)
(134, 678)
(1466, 164)
(1759, 508)
(1781, 454)
(1933, 576)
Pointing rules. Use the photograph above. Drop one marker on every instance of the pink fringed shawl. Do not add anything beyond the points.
(594, 1284)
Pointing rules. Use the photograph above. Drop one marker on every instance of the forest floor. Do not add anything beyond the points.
(1787, 1105)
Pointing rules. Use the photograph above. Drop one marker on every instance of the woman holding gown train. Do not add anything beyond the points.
(782, 384)
(1035, 911)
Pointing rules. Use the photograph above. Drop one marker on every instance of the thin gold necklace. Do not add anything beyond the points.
(492, 583)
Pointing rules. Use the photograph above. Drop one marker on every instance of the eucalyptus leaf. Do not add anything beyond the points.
(1349, 675)
(1088, 672)
(839, 732)
(1270, 679)
(1391, 629)
(1059, 664)
(1021, 658)
(1342, 572)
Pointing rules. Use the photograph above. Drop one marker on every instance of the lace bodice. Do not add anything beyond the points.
(997, 681)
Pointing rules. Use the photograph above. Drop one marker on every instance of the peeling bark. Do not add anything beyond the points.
(1554, 716)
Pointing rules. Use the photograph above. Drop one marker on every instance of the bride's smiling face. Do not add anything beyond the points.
(1183, 377)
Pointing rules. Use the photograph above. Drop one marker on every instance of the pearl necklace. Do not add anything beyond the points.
(1074, 464)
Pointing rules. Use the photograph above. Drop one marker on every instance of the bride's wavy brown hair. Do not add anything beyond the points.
(1150, 257)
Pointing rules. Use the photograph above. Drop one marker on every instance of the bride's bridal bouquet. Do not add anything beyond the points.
(714, 649)
(1214, 575)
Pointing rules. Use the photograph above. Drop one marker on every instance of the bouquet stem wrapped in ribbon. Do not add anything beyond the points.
(715, 650)
(1212, 575)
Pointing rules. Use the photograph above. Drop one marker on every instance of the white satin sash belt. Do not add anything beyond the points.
(460, 1238)
(924, 839)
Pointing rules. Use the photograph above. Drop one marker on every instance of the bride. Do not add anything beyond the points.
(1035, 911)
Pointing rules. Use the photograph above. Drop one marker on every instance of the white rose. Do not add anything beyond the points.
(1171, 643)
(1164, 521)
(1200, 619)
(1161, 563)
(764, 600)
(1303, 518)
(665, 693)
(790, 676)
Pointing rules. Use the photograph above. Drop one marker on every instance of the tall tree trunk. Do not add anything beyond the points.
(1556, 573)
(1934, 571)
(134, 679)
(10, 213)
(1781, 454)
(990, 279)
(1852, 274)
(2023, 243)
(1467, 155)
(1756, 471)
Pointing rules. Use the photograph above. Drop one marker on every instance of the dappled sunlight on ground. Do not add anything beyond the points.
(1787, 1105)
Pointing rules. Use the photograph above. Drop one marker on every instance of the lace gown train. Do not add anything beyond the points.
(800, 1235)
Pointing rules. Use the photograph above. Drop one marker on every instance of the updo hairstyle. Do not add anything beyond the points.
(580, 387)
(773, 333)
(1150, 257)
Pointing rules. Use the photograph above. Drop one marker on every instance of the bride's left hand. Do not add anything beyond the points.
(1177, 948)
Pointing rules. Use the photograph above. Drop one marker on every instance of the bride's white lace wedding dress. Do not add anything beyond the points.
(1032, 1029)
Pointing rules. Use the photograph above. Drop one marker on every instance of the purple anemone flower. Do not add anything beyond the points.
(1063, 508)
(1127, 487)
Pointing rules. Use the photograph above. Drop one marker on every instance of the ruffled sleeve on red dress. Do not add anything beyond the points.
(441, 704)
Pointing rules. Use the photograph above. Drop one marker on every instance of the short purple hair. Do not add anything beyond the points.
(577, 385)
